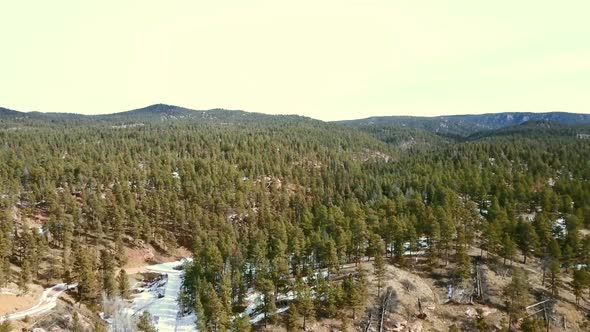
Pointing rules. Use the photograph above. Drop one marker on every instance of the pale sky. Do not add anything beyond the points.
(327, 59)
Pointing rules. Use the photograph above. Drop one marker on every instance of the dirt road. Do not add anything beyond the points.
(47, 302)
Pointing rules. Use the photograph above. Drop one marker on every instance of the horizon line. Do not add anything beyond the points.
(295, 114)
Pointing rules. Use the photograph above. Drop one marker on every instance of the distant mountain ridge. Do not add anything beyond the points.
(172, 112)
(156, 109)
(149, 114)
(9, 112)
(449, 125)
(177, 112)
(465, 125)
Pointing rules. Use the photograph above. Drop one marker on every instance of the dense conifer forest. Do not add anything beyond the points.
(307, 214)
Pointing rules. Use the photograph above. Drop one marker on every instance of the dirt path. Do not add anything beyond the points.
(135, 270)
(47, 302)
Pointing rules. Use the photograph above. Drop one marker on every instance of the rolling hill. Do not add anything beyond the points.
(465, 125)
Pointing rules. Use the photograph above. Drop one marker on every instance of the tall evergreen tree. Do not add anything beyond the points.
(123, 284)
(107, 267)
(242, 324)
(554, 277)
(526, 239)
(304, 301)
(462, 257)
(292, 321)
(516, 295)
(579, 283)
(508, 248)
(145, 323)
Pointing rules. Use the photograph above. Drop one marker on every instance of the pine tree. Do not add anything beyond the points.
(145, 323)
(433, 251)
(123, 283)
(199, 313)
(516, 294)
(508, 248)
(25, 251)
(527, 239)
(107, 266)
(217, 317)
(36, 251)
(584, 252)
(4, 271)
(399, 230)
(24, 276)
(304, 301)
(447, 231)
(331, 300)
(279, 272)
(321, 287)
(332, 261)
(491, 237)
(292, 321)
(225, 292)
(239, 287)
(411, 235)
(358, 226)
(568, 256)
(66, 264)
(355, 295)
(542, 227)
(88, 283)
(551, 258)
(242, 324)
(379, 265)
(54, 271)
(269, 308)
(462, 258)
(121, 256)
(554, 277)
(5, 246)
(579, 283)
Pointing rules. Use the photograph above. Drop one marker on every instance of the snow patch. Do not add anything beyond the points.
(161, 299)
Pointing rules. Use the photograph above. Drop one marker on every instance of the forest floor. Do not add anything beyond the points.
(566, 310)
(12, 300)
(138, 258)
(415, 285)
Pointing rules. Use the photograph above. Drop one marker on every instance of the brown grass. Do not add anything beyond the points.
(12, 301)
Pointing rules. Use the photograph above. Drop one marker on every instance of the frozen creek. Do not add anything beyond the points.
(161, 299)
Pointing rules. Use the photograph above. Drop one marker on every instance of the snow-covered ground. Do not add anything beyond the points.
(161, 300)
(255, 300)
(419, 248)
(560, 228)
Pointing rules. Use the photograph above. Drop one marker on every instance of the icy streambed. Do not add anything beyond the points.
(161, 299)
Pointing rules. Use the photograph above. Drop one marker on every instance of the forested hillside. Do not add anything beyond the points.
(465, 125)
(289, 210)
